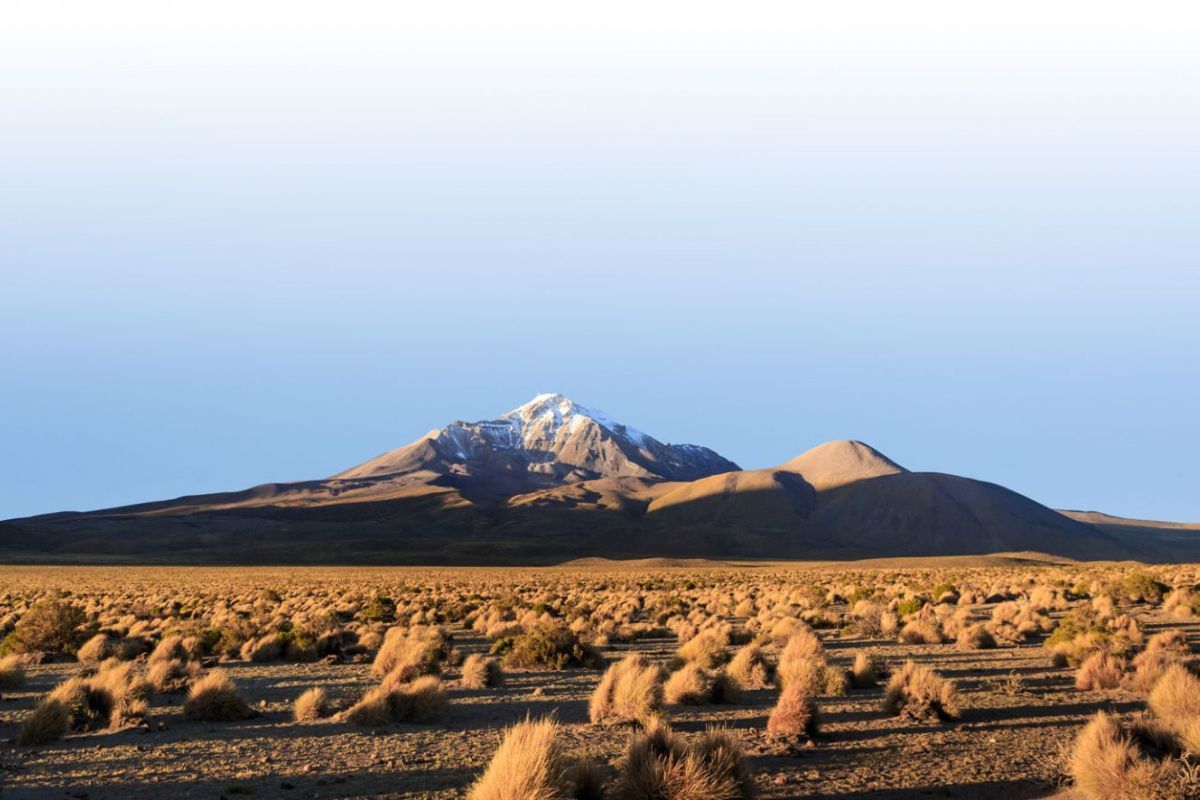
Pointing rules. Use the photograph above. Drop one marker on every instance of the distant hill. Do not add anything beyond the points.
(552, 481)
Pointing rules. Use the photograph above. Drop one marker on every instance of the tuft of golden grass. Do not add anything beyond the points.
(865, 672)
(794, 714)
(750, 668)
(481, 672)
(630, 691)
(215, 698)
(528, 765)
(918, 693)
(1176, 694)
(12, 672)
(311, 705)
(1100, 671)
(690, 685)
(658, 765)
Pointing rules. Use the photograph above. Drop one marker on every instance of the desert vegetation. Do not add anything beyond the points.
(650, 681)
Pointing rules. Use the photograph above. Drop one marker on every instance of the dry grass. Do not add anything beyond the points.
(1176, 694)
(12, 672)
(480, 672)
(630, 692)
(528, 765)
(690, 685)
(1099, 672)
(215, 698)
(794, 714)
(659, 766)
(865, 672)
(750, 668)
(311, 705)
(918, 693)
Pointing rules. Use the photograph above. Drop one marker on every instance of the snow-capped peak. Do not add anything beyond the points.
(543, 416)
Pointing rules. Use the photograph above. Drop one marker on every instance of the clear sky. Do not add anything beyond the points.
(249, 242)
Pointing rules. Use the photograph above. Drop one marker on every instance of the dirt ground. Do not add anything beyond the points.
(1019, 713)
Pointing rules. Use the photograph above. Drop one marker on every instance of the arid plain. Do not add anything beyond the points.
(975, 678)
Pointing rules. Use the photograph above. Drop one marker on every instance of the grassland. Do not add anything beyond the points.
(955, 679)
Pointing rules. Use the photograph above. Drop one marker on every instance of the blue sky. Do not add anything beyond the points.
(247, 244)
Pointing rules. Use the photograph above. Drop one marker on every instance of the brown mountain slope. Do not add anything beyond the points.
(551, 481)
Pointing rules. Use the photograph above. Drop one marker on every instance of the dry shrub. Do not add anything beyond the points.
(975, 637)
(750, 668)
(412, 652)
(261, 650)
(47, 722)
(479, 672)
(794, 714)
(48, 626)
(529, 765)
(422, 700)
(690, 685)
(172, 675)
(171, 648)
(707, 648)
(1176, 694)
(127, 692)
(215, 698)
(922, 631)
(630, 691)
(804, 661)
(660, 766)
(95, 649)
(725, 688)
(12, 672)
(1099, 672)
(918, 693)
(865, 672)
(312, 705)
(548, 647)
(1112, 762)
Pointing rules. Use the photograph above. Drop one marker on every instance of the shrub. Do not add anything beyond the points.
(1176, 694)
(411, 652)
(528, 765)
(707, 648)
(803, 660)
(479, 672)
(920, 694)
(173, 675)
(975, 637)
(48, 721)
(659, 766)
(312, 705)
(630, 691)
(689, 685)
(48, 626)
(95, 649)
(1100, 671)
(171, 648)
(794, 714)
(422, 700)
(550, 647)
(750, 668)
(922, 631)
(865, 672)
(215, 698)
(1108, 762)
(12, 672)
(261, 650)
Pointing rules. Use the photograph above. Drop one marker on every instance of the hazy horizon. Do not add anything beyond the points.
(256, 244)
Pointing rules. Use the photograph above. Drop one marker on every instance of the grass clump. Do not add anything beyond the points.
(919, 694)
(630, 692)
(529, 764)
(311, 706)
(659, 766)
(480, 672)
(215, 698)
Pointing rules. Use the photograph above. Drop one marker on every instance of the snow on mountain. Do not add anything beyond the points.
(552, 437)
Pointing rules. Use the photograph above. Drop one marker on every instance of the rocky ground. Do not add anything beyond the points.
(1019, 714)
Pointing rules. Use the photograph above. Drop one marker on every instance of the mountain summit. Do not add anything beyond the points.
(553, 480)
(548, 441)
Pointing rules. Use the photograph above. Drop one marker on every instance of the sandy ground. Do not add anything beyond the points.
(1019, 714)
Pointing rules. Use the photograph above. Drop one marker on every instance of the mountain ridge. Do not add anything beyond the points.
(553, 480)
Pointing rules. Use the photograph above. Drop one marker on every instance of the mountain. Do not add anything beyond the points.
(553, 480)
